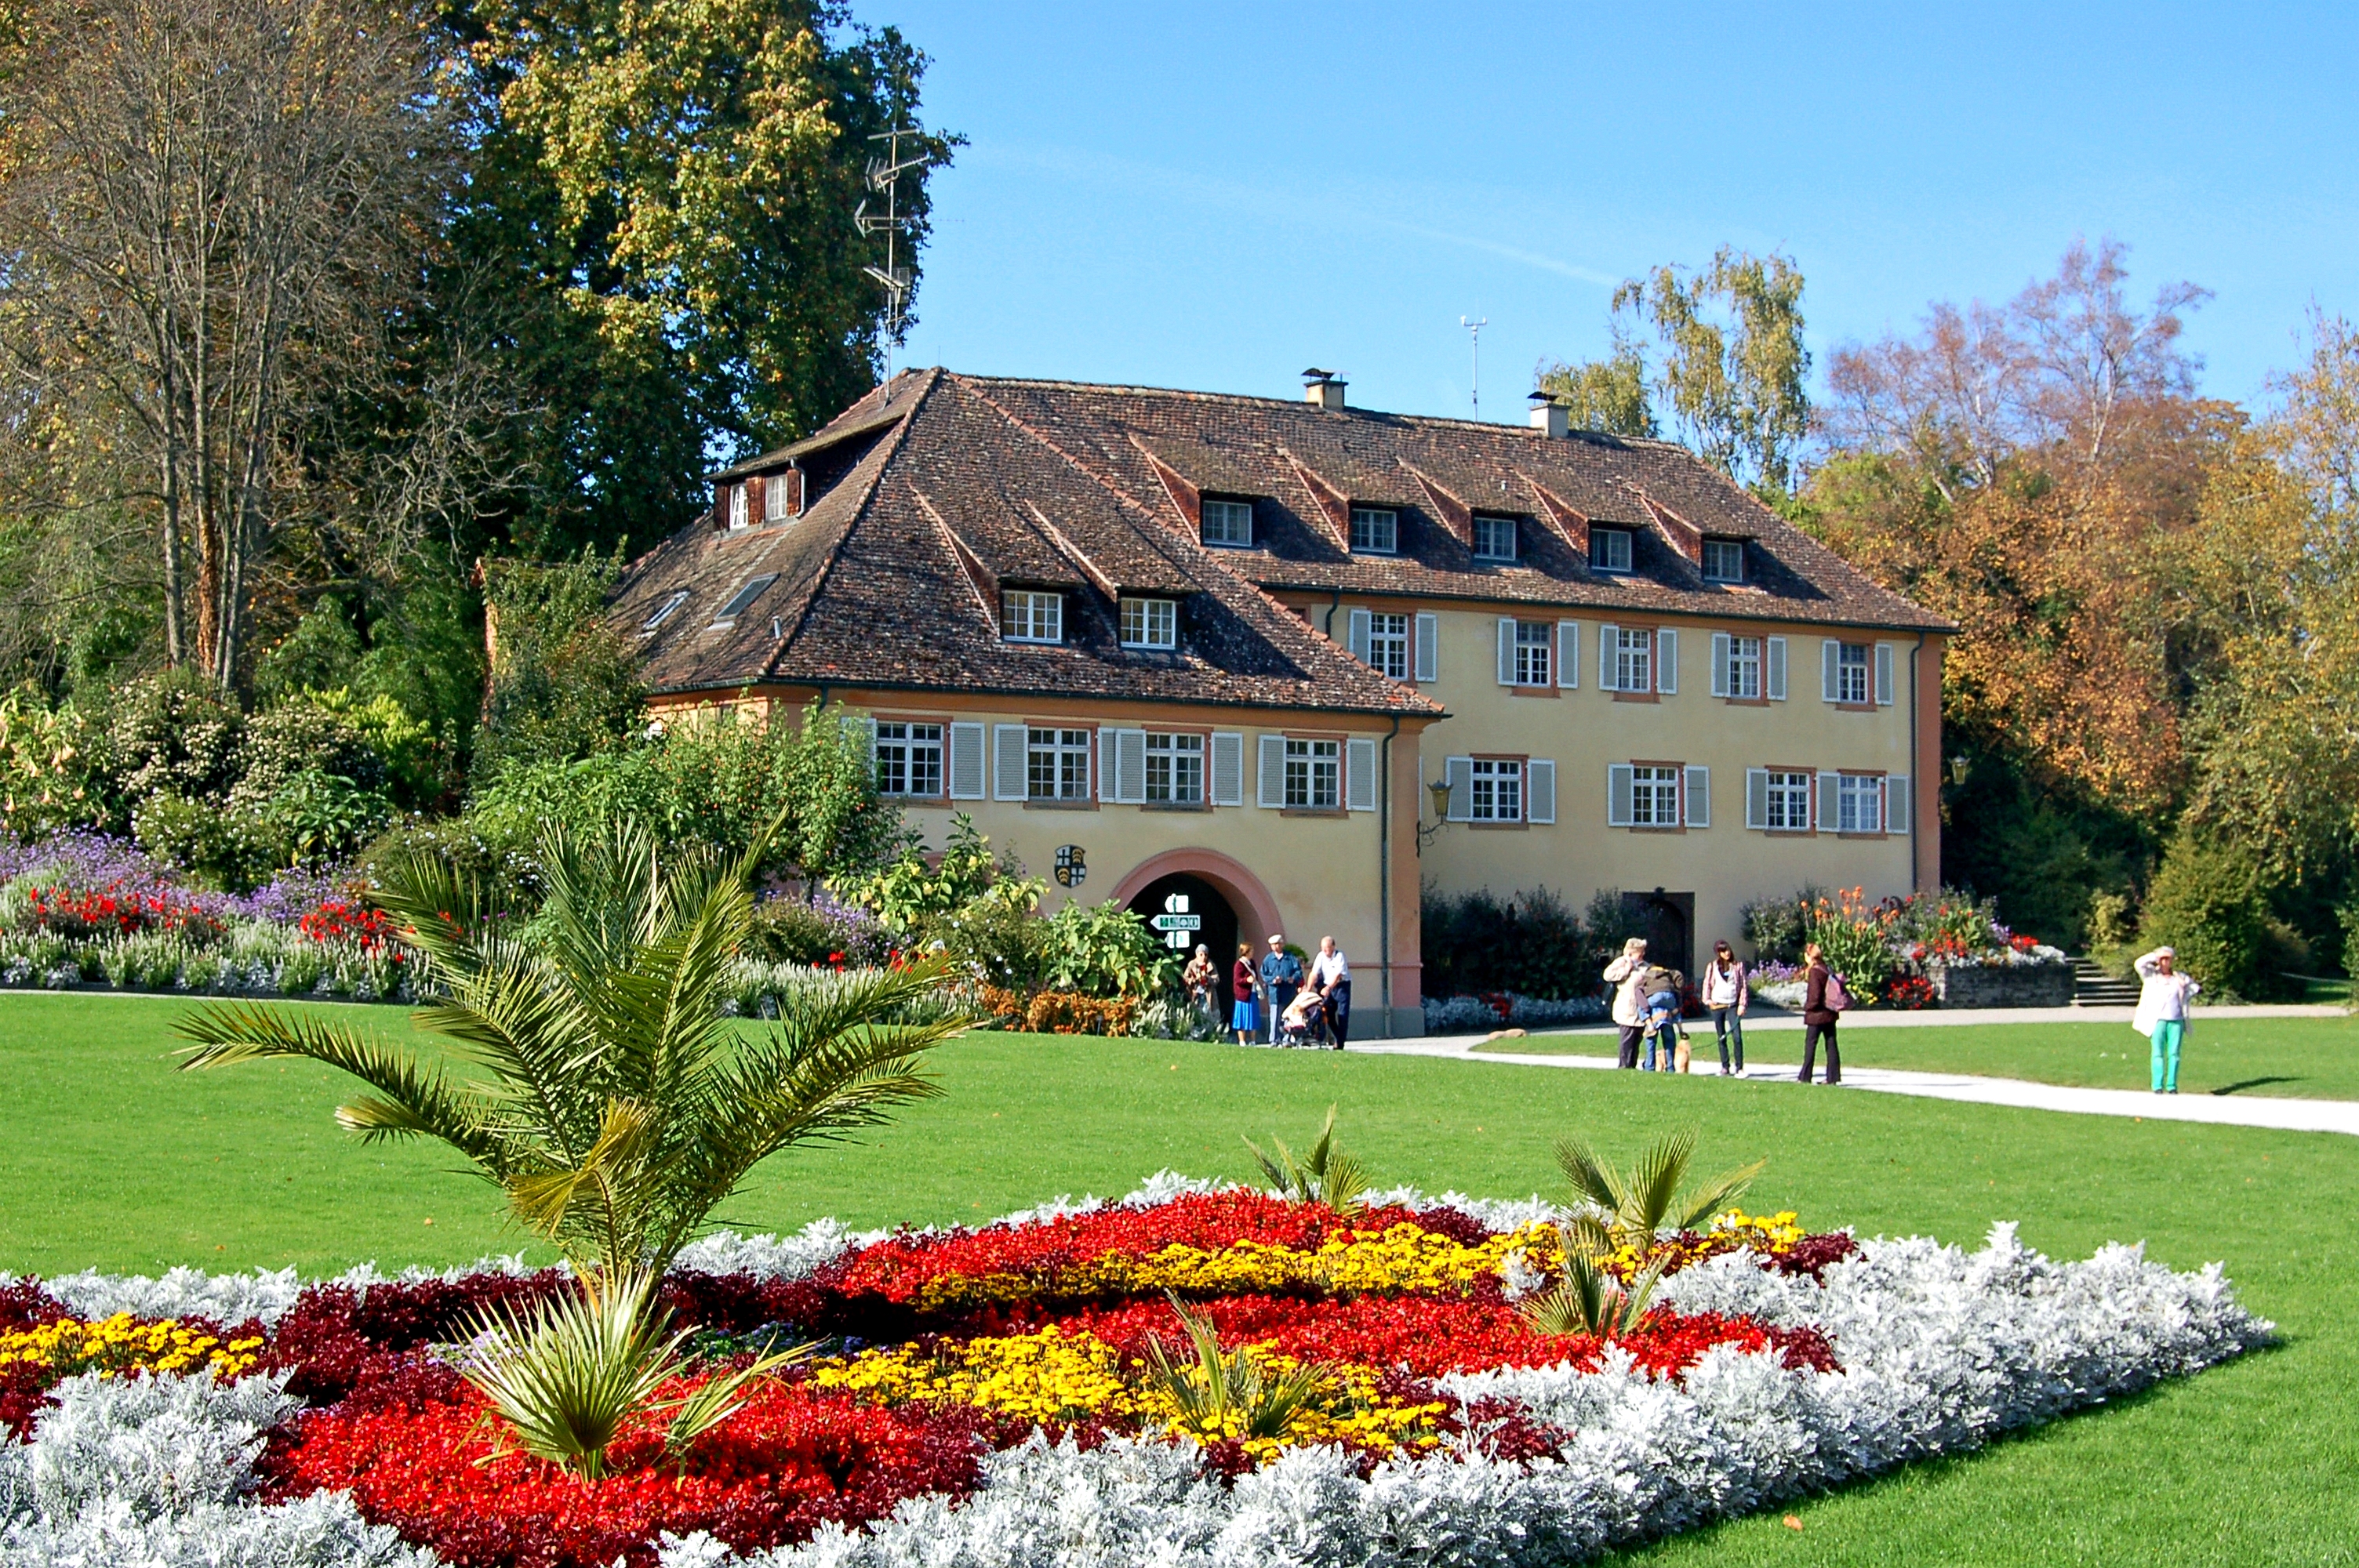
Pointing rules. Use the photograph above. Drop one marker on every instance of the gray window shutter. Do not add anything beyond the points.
(1756, 798)
(1829, 652)
(1620, 786)
(965, 769)
(1720, 663)
(1539, 791)
(1698, 801)
(1429, 646)
(1228, 768)
(1883, 675)
(1130, 767)
(1666, 663)
(1273, 771)
(1359, 635)
(1568, 655)
(1773, 678)
(1609, 668)
(1359, 775)
(1506, 652)
(1896, 802)
(1007, 761)
(1829, 817)
(1109, 779)
(1460, 771)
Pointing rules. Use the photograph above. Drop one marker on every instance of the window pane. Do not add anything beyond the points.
(1723, 560)
(1376, 529)
(1534, 642)
(1150, 623)
(1389, 645)
(1494, 538)
(1744, 666)
(1850, 672)
(1228, 523)
(1633, 660)
(1609, 550)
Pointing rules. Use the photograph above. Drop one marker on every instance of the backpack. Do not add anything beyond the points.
(1837, 996)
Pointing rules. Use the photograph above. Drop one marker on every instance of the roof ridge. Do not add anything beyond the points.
(882, 457)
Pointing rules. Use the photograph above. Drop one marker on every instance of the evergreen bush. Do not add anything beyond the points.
(2207, 904)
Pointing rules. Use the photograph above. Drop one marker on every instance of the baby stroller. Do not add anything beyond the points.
(1665, 1032)
(1304, 1021)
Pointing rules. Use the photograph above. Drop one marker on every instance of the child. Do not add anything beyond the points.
(1301, 1016)
(1664, 1030)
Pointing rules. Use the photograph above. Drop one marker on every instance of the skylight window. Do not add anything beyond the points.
(742, 599)
(664, 612)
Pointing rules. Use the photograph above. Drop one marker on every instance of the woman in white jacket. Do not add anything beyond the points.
(2162, 1013)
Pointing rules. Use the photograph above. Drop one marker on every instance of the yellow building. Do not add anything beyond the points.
(1252, 665)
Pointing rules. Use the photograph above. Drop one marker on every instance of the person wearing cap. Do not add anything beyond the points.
(2162, 1012)
(1332, 976)
(1281, 977)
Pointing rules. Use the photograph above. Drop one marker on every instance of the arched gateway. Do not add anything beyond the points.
(1230, 900)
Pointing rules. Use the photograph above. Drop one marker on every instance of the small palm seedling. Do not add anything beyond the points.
(1228, 1395)
(1590, 1301)
(569, 1378)
(1327, 1176)
(1631, 1211)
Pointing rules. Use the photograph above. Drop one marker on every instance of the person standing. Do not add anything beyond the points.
(1726, 994)
(1818, 1017)
(1332, 976)
(2162, 1012)
(1200, 976)
(1244, 1016)
(1628, 975)
(1281, 977)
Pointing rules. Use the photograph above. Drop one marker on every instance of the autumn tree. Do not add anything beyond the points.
(208, 208)
(1728, 365)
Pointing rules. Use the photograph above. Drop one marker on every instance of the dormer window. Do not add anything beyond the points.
(743, 599)
(1609, 550)
(1150, 623)
(1723, 560)
(737, 506)
(664, 611)
(1494, 538)
(782, 495)
(1375, 531)
(1228, 523)
(1031, 615)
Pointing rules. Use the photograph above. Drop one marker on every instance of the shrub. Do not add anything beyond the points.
(2206, 903)
(1778, 927)
(1530, 944)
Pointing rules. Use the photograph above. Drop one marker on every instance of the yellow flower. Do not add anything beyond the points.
(123, 1343)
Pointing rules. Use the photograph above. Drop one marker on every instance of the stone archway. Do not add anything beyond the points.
(1255, 910)
(1198, 914)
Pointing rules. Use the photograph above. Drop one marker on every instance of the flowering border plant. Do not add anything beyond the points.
(1199, 1376)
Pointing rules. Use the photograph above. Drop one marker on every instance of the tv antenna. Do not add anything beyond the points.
(884, 179)
(1474, 325)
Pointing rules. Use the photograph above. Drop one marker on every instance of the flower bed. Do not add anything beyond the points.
(988, 1396)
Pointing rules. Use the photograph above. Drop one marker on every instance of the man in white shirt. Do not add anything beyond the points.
(1331, 975)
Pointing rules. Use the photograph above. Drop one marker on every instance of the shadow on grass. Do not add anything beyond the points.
(2254, 1084)
(1937, 1468)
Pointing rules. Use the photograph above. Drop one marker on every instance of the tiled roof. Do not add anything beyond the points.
(936, 489)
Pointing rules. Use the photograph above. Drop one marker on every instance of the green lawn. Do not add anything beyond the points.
(112, 1159)
(2307, 1058)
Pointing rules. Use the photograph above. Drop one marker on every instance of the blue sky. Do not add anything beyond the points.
(1216, 196)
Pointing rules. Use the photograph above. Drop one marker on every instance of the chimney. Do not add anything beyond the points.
(1549, 417)
(1321, 386)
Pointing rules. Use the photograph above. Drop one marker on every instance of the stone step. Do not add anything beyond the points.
(2091, 987)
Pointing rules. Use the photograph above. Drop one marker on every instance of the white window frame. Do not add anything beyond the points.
(1630, 650)
(1067, 748)
(1738, 665)
(1725, 551)
(1229, 512)
(1495, 790)
(775, 491)
(1859, 803)
(1783, 800)
(740, 507)
(1534, 654)
(1656, 789)
(1184, 759)
(1614, 542)
(901, 736)
(1314, 773)
(1382, 531)
(1031, 615)
(1151, 624)
(1841, 674)
(1496, 522)
(1388, 642)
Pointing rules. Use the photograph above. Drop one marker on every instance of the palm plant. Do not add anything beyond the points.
(1590, 1301)
(617, 1107)
(571, 1376)
(1631, 1211)
(1230, 1394)
(1328, 1175)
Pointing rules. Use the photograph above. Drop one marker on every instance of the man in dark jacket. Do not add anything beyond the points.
(1281, 977)
(1818, 1017)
